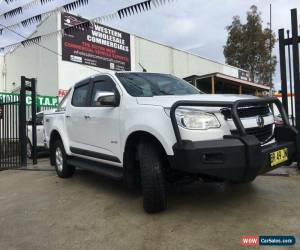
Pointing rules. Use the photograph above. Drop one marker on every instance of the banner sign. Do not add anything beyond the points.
(50, 101)
(95, 44)
(244, 75)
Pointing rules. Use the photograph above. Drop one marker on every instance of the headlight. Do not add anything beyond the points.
(195, 119)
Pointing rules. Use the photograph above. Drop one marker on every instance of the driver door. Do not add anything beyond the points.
(103, 122)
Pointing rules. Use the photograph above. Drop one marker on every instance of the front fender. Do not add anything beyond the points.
(152, 120)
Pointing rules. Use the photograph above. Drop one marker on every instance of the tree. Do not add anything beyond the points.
(248, 47)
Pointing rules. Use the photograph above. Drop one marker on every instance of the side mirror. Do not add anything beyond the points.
(40, 123)
(105, 99)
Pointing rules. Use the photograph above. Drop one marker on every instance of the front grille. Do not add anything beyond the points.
(262, 134)
(244, 112)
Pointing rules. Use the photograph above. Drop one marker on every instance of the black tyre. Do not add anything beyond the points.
(152, 177)
(132, 175)
(29, 149)
(63, 170)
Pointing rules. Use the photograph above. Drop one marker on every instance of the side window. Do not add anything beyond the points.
(39, 119)
(80, 95)
(105, 85)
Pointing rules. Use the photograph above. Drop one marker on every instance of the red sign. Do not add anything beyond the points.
(249, 241)
(62, 92)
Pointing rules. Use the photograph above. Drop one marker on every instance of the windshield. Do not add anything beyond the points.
(152, 84)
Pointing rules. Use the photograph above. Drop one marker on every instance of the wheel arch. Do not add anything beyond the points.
(130, 155)
(54, 136)
(134, 138)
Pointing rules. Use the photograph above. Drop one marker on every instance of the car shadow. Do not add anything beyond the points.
(197, 195)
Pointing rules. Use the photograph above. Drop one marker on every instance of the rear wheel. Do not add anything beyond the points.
(63, 170)
(152, 177)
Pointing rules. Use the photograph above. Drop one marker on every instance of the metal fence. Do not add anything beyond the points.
(13, 126)
(9, 135)
(16, 109)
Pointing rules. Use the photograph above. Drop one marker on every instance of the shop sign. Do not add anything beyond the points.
(94, 44)
(50, 101)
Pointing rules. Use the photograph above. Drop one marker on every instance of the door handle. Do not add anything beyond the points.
(87, 117)
(68, 116)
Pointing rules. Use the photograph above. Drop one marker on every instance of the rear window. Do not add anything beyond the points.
(80, 95)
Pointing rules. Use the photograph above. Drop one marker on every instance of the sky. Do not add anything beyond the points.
(198, 26)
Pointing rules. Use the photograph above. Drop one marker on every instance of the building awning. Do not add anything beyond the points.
(229, 79)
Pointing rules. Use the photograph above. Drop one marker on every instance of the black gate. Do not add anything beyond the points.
(13, 127)
(290, 44)
(10, 156)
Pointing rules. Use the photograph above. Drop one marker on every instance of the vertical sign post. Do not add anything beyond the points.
(33, 112)
(22, 122)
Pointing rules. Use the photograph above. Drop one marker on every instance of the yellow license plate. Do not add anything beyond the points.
(279, 156)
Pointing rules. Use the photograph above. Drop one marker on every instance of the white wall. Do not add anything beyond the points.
(153, 56)
(156, 57)
(1, 73)
(35, 62)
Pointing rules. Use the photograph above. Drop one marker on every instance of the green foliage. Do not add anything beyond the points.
(248, 47)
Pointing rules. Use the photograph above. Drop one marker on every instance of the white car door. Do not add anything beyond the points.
(103, 122)
(76, 116)
(40, 130)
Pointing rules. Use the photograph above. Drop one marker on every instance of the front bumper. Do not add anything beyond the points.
(238, 158)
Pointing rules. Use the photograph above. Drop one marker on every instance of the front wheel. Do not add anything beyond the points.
(63, 170)
(152, 177)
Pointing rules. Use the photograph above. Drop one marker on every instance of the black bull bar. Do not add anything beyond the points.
(283, 132)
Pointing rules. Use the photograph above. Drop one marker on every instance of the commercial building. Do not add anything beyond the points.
(60, 61)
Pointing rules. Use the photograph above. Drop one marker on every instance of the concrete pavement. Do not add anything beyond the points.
(40, 211)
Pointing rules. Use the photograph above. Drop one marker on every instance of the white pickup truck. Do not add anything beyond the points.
(151, 129)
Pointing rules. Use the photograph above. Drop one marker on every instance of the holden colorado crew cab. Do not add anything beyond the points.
(153, 129)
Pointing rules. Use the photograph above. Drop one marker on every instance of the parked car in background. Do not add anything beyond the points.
(152, 129)
(40, 135)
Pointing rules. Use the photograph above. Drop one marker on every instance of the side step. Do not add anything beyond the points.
(113, 172)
